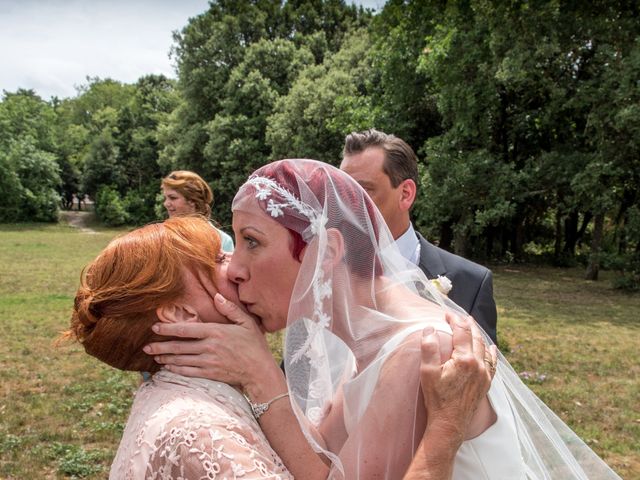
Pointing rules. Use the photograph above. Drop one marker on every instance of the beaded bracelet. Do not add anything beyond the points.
(259, 409)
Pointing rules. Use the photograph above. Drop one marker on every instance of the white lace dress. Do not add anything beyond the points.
(189, 429)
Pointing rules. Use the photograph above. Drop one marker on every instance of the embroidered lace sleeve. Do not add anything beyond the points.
(195, 446)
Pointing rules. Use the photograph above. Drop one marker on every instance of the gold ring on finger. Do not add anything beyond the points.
(491, 365)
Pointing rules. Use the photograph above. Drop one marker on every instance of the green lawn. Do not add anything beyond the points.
(61, 412)
(578, 341)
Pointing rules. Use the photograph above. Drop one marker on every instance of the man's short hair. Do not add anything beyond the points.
(400, 161)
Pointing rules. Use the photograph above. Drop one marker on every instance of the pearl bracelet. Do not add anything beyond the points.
(259, 409)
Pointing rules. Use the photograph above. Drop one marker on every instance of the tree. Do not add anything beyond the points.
(136, 141)
(236, 144)
(401, 92)
(214, 49)
(27, 145)
(101, 167)
(521, 88)
(33, 179)
(24, 114)
(325, 103)
(80, 121)
(88, 107)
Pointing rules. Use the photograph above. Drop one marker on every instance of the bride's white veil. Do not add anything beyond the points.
(358, 307)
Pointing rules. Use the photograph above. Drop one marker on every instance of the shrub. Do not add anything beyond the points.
(110, 207)
(629, 279)
(139, 205)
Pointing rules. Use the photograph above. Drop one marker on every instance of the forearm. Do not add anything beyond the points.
(435, 456)
(282, 429)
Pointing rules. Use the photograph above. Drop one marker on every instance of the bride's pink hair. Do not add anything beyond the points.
(317, 177)
(120, 290)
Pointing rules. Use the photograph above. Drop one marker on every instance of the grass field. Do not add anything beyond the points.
(62, 413)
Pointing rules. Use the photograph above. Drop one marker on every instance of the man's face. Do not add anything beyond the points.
(366, 169)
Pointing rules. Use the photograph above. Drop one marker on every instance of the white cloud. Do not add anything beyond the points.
(51, 46)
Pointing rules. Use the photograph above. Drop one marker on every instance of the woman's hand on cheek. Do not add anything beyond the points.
(235, 353)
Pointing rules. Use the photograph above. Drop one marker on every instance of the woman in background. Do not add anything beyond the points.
(187, 193)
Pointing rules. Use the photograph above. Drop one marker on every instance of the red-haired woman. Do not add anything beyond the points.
(179, 427)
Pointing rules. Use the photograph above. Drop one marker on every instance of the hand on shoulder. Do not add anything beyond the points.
(454, 390)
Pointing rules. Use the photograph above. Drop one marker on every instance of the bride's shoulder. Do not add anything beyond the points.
(408, 350)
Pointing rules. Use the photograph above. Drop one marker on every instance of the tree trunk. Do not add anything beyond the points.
(557, 246)
(461, 243)
(571, 234)
(621, 221)
(596, 244)
(489, 236)
(585, 222)
(504, 241)
(517, 241)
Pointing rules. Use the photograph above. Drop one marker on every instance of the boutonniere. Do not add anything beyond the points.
(443, 284)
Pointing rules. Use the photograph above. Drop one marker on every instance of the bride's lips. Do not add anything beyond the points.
(249, 308)
(257, 318)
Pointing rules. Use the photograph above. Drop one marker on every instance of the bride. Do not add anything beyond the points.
(313, 255)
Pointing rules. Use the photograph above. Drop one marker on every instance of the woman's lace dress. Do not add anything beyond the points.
(192, 428)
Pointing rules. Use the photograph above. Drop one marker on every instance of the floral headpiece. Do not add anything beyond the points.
(265, 186)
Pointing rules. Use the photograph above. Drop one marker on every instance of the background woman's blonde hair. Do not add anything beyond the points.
(115, 305)
(193, 187)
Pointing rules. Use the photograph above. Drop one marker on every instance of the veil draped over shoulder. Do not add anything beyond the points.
(352, 344)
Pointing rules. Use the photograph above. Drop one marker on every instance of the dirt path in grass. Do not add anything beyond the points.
(78, 220)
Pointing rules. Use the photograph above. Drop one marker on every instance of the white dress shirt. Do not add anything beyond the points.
(409, 245)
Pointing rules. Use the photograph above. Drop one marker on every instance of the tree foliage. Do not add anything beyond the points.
(525, 116)
(29, 170)
(531, 99)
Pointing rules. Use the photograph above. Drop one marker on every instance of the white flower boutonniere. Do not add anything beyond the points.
(443, 284)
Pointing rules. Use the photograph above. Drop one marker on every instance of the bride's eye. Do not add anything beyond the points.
(221, 257)
(251, 242)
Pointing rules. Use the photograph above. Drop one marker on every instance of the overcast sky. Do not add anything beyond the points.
(53, 45)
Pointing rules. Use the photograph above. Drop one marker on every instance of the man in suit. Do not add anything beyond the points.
(387, 168)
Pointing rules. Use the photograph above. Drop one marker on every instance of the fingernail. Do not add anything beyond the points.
(426, 331)
(156, 359)
(146, 349)
(155, 327)
(220, 299)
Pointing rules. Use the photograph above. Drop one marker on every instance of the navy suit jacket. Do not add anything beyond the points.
(472, 283)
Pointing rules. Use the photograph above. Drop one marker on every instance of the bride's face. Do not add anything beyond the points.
(200, 290)
(262, 265)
